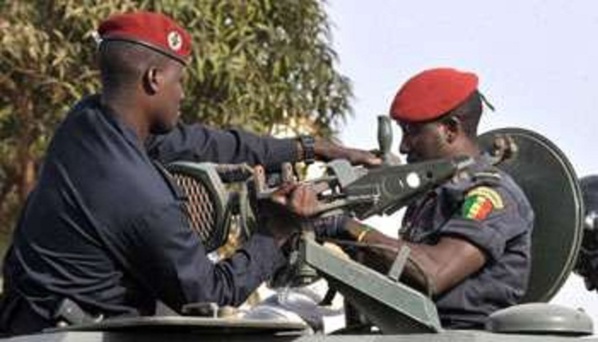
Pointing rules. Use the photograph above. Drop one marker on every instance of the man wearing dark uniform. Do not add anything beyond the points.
(104, 227)
(469, 238)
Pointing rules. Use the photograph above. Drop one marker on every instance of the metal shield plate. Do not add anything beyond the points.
(550, 183)
(205, 203)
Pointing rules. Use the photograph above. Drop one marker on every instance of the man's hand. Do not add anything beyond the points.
(278, 222)
(326, 150)
(299, 199)
(302, 202)
(284, 212)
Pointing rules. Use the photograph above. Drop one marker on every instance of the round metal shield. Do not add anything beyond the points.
(551, 186)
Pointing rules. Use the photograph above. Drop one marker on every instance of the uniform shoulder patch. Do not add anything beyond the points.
(480, 202)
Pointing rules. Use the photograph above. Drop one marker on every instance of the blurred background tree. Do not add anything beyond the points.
(257, 64)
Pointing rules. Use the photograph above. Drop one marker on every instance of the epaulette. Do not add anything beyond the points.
(489, 176)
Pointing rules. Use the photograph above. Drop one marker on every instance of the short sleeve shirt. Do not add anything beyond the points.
(486, 208)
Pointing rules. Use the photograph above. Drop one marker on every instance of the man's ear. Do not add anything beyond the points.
(452, 128)
(152, 80)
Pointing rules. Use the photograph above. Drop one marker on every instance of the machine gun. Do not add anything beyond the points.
(218, 195)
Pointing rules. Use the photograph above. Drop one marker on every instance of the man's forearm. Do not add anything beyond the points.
(202, 144)
(382, 252)
(435, 268)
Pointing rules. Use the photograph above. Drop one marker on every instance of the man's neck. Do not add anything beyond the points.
(129, 110)
(466, 147)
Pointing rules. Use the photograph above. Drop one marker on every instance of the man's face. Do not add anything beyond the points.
(168, 98)
(423, 141)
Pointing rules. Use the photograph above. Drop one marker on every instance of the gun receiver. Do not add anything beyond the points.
(379, 191)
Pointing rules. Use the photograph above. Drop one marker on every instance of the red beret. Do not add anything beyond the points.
(432, 93)
(153, 30)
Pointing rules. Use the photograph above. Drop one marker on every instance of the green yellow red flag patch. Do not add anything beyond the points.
(480, 202)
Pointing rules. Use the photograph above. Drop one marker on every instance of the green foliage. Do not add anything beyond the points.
(257, 64)
(261, 63)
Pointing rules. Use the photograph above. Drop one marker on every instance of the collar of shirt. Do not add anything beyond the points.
(127, 131)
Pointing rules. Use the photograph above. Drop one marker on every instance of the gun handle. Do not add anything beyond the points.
(384, 135)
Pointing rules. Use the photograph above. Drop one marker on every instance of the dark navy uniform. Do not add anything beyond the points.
(487, 209)
(105, 229)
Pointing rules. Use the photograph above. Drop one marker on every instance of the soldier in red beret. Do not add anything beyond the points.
(104, 228)
(469, 237)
